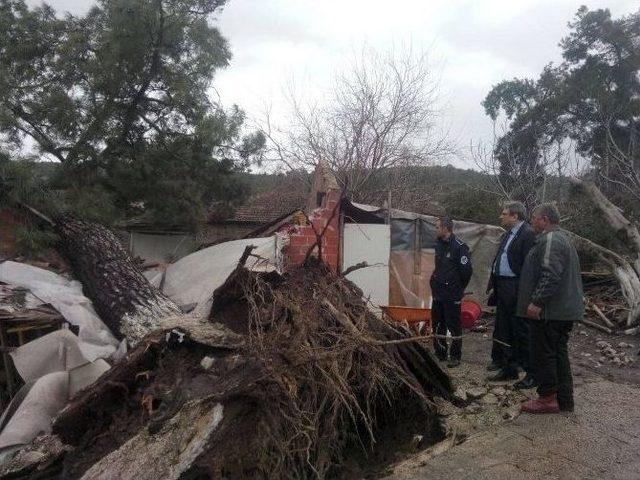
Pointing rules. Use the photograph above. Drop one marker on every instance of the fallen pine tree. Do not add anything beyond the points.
(291, 377)
(129, 305)
(626, 271)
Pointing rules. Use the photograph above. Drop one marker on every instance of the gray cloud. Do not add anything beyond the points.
(528, 40)
(479, 42)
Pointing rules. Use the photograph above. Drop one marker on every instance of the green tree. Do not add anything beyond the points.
(120, 98)
(592, 99)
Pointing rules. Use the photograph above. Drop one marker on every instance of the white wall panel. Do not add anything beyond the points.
(368, 243)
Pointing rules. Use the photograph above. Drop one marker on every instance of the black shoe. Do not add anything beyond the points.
(526, 383)
(502, 376)
(494, 367)
(453, 363)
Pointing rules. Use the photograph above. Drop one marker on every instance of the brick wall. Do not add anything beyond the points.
(302, 237)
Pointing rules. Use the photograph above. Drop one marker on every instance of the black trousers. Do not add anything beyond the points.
(550, 359)
(445, 315)
(510, 329)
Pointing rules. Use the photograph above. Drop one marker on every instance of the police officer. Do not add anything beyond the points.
(449, 279)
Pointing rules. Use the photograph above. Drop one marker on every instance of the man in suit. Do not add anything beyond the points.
(449, 279)
(503, 283)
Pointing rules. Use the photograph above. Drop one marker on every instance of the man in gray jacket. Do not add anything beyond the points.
(551, 295)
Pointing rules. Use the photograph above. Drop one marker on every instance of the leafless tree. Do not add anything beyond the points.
(380, 114)
(621, 169)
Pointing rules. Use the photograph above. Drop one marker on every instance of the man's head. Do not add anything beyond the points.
(545, 217)
(444, 227)
(512, 213)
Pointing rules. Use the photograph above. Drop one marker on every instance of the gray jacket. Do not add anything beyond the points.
(550, 279)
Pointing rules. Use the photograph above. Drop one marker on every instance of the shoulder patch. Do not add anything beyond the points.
(464, 260)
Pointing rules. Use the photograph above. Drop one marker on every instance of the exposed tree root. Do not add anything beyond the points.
(313, 382)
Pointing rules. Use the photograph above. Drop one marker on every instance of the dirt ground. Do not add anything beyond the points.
(487, 438)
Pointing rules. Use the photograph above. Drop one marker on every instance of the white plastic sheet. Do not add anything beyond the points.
(47, 396)
(193, 278)
(41, 400)
(57, 365)
(66, 297)
(55, 352)
(54, 370)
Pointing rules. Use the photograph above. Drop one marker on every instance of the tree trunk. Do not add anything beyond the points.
(627, 273)
(125, 300)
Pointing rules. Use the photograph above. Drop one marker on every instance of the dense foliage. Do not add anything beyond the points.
(121, 98)
(591, 99)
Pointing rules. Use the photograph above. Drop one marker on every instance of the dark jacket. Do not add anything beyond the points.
(550, 279)
(452, 270)
(517, 252)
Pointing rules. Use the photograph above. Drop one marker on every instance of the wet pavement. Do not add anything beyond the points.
(489, 439)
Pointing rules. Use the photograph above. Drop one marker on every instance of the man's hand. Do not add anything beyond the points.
(533, 311)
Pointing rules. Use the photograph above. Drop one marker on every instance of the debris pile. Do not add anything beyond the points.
(620, 356)
(495, 402)
(607, 310)
(289, 376)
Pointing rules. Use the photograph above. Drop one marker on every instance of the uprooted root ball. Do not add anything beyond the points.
(320, 386)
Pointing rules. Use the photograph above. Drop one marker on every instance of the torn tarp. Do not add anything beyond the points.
(55, 366)
(54, 369)
(96, 341)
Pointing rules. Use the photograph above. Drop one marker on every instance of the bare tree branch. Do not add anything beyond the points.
(380, 115)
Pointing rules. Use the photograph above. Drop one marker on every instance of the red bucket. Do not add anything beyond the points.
(471, 312)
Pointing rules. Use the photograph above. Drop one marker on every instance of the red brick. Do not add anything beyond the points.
(319, 224)
(296, 240)
(330, 249)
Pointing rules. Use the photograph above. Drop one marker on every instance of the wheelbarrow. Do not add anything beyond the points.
(417, 319)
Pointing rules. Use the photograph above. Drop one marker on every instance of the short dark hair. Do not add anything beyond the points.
(516, 208)
(446, 222)
(548, 210)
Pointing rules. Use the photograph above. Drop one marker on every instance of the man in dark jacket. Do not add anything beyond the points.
(449, 279)
(551, 295)
(510, 329)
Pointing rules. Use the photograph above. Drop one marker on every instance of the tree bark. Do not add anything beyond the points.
(125, 300)
(627, 273)
(612, 214)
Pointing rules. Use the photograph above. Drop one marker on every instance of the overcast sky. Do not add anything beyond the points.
(473, 44)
